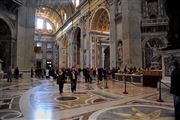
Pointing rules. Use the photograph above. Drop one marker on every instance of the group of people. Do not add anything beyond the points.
(10, 74)
(61, 78)
(61, 75)
(99, 73)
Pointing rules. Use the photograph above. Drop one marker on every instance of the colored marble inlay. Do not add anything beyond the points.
(134, 112)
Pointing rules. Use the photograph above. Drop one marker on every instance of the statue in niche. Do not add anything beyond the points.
(153, 9)
(155, 54)
(119, 8)
(119, 51)
(173, 12)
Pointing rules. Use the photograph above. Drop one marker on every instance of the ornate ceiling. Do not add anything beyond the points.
(100, 21)
(54, 10)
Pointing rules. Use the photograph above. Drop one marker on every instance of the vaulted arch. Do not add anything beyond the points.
(5, 45)
(100, 20)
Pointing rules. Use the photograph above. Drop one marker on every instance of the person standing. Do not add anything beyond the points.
(32, 72)
(175, 89)
(73, 77)
(16, 73)
(9, 75)
(60, 80)
(47, 73)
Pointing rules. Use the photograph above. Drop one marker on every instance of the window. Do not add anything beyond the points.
(44, 26)
(39, 44)
(65, 16)
(49, 45)
(39, 23)
(48, 26)
(76, 2)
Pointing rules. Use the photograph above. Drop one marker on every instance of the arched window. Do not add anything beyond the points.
(76, 2)
(39, 23)
(48, 26)
(44, 26)
(65, 16)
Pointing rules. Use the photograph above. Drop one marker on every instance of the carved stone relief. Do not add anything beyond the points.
(119, 6)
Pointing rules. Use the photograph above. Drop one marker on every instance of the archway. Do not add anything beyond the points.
(100, 29)
(77, 47)
(5, 45)
(106, 58)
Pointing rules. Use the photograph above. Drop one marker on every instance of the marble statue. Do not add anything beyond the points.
(119, 50)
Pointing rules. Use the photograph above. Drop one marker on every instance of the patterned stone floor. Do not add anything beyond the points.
(33, 99)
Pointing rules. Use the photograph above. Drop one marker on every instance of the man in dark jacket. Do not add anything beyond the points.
(73, 77)
(175, 89)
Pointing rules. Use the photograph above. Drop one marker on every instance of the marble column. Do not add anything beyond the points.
(25, 36)
(131, 18)
(113, 36)
(102, 56)
(88, 41)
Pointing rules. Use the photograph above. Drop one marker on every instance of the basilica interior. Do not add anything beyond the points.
(125, 38)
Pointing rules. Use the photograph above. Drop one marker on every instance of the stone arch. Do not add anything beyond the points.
(5, 45)
(10, 25)
(100, 20)
(151, 51)
(77, 46)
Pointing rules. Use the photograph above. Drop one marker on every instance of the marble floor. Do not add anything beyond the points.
(34, 99)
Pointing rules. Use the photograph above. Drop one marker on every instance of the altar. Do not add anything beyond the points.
(133, 78)
(149, 78)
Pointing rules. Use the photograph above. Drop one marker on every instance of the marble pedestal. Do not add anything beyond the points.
(168, 57)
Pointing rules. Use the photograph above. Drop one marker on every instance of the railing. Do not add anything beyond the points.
(154, 21)
(134, 78)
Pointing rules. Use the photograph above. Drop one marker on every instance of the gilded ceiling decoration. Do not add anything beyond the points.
(55, 10)
(100, 21)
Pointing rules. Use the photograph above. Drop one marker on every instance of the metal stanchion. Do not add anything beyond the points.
(160, 98)
(88, 84)
(125, 91)
(106, 84)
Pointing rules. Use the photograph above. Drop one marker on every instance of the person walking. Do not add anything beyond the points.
(175, 89)
(73, 77)
(60, 80)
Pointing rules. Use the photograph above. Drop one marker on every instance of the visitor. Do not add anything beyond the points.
(9, 75)
(175, 89)
(60, 76)
(47, 73)
(16, 73)
(73, 77)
